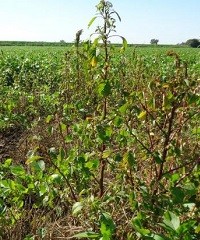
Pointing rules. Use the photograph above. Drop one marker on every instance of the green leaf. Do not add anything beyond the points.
(104, 132)
(190, 189)
(142, 115)
(194, 98)
(157, 158)
(106, 153)
(43, 189)
(129, 158)
(49, 118)
(18, 170)
(171, 220)
(187, 82)
(124, 44)
(186, 227)
(41, 165)
(29, 237)
(91, 21)
(2, 209)
(76, 208)
(32, 159)
(123, 108)
(197, 230)
(118, 121)
(117, 15)
(196, 131)
(144, 231)
(87, 235)
(94, 46)
(8, 162)
(137, 225)
(94, 61)
(42, 232)
(108, 130)
(118, 157)
(93, 164)
(104, 89)
(175, 177)
(160, 237)
(38, 166)
(63, 127)
(55, 178)
(178, 195)
(107, 226)
(61, 155)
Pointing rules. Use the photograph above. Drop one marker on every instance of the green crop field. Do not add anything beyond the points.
(99, 141)
(64, 157)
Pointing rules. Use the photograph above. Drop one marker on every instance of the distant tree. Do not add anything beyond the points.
(62, 42)
(193, 42)
(154, 41)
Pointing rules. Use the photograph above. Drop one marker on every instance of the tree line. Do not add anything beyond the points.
(194, 43)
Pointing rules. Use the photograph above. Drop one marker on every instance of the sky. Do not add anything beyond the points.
(170, 21)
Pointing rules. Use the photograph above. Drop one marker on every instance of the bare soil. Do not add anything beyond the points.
(9, 142)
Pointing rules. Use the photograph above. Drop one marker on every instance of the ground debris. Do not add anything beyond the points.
(9, 139)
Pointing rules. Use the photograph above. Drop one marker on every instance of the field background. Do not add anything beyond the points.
(104, 151)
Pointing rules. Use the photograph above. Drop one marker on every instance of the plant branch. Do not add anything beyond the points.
(166, 142)
(66, 180)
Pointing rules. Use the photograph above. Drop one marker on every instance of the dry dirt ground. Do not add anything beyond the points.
(9, 142)
(16, 142)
